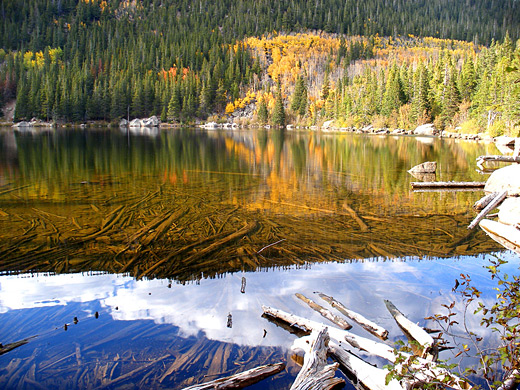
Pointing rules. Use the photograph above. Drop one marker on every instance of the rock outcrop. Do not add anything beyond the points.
(153, 121)
(427, 129)
(505, 179)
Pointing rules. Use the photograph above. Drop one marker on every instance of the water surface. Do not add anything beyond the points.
(156, 232)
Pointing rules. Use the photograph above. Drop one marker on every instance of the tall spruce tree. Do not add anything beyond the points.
(278, 115)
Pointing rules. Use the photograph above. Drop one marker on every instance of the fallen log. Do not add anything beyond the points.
(423, 369)
(506, 235)
(484, 201)
(324, 312)
(511, 159)
(362, 225)
(9, 347)
(448, 184)
(316, 374)
(242, 379)
(370, 377)
(511, 381)
(366, 324)
(372, 347)
(414, 332)
(491, 206)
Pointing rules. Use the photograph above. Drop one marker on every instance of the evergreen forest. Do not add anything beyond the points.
(385, 63)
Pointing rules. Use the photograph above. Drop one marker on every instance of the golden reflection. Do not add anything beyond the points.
(190, 204)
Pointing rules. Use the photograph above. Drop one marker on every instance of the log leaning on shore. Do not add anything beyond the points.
(493, 204)
(510, 159)
(414, 332)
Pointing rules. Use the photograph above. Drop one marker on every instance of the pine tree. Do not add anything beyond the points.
(420, 99)
(298, 94)
(278, 115)
(451, 99)
(174, 106)
(262, 114)
(393, 96)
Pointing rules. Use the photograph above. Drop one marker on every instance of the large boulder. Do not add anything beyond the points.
(153, 121)
(509, 211)
(327, 124)
(505, 179)
(427, 129)
(425, 167)
(135, 123)
(506, 145)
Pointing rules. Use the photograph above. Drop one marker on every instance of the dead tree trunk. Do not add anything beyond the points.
(316, 374)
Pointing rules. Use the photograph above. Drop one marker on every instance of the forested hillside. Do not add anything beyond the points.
(70, 60)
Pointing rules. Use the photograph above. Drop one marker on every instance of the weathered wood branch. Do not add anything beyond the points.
(372, 347)
(9, 347)
(362, 225)
(325, 312)
(448, 184)
(242, 379)
(506, 235)
(510, 159)
(423, 368)
(484, 201)
(316, 374)
(491, 206)
(511, 381)
(366, 324)
(370, 377)
(414, 332)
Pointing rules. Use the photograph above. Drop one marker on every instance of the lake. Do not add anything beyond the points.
(142, 259)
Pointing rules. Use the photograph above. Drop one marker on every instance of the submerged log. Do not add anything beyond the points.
(242, 379)
(324, 312)
(9, 347)
(366, 324)
(316, 374)
(491, 206)
(449, 184)
(414, 332)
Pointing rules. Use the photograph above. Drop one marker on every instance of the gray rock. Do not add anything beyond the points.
(123, 123)
(327, 124)
(135, 123)
(425, 167)
(509, 211)
(505, 179)
(427, 129)
(22, 124)
(153, 121)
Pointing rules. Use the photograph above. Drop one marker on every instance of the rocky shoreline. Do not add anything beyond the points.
(504, 143)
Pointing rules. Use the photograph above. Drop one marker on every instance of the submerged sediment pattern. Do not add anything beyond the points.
(185, 234)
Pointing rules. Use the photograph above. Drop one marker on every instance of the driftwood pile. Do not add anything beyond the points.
(322, 341)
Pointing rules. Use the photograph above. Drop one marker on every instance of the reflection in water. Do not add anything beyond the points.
(188, 204)
(188, 320)
(175, 220)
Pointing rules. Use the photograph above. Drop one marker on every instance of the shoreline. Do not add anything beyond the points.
(327, 129)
